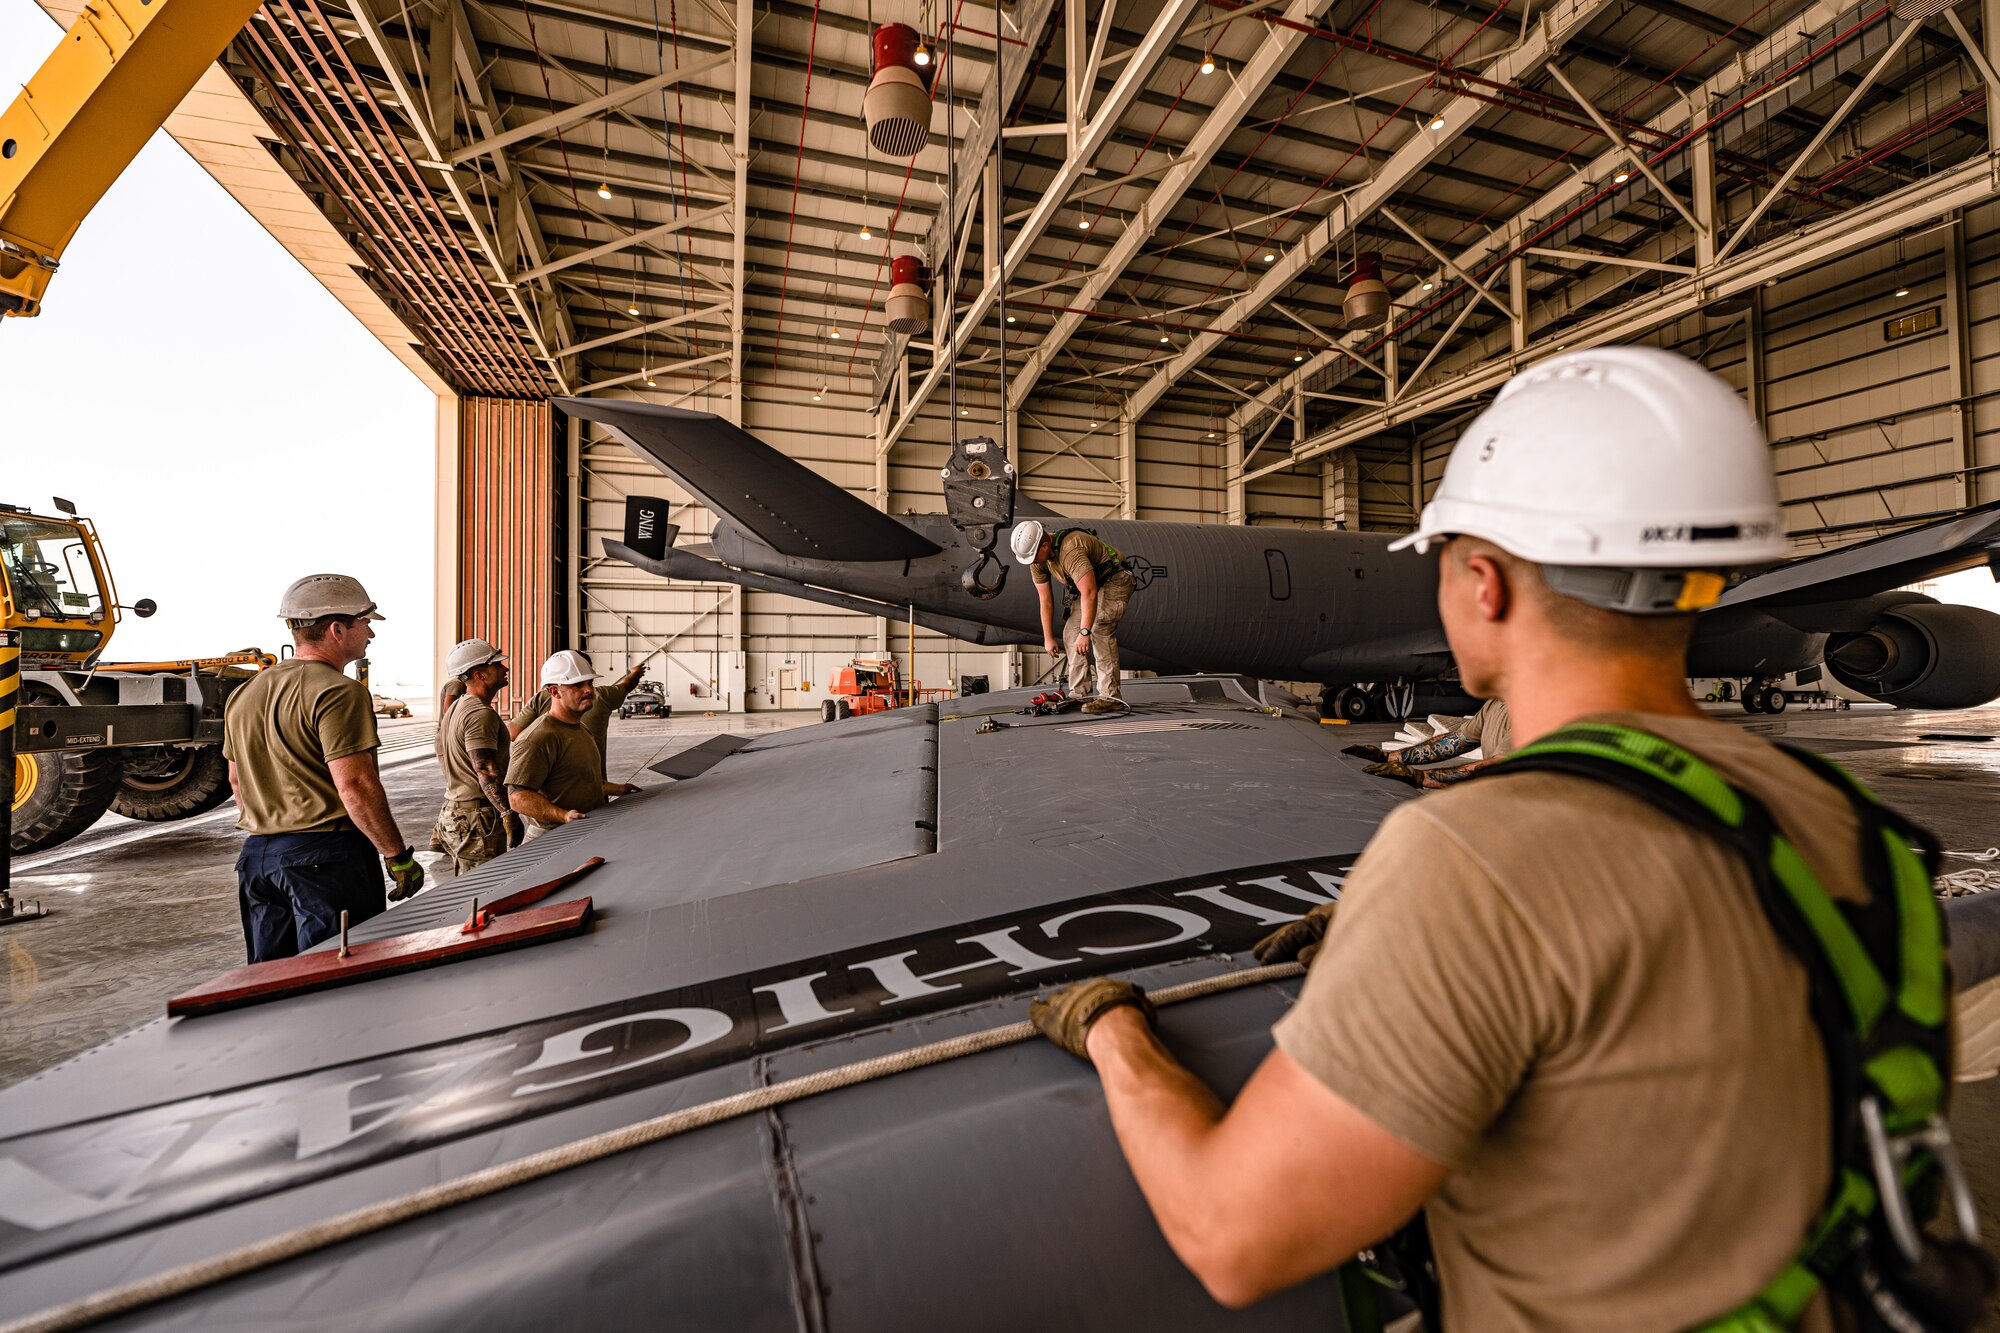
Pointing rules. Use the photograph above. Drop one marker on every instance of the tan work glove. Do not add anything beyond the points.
(1297, 941)
(1065, 1016)
(1374, 754)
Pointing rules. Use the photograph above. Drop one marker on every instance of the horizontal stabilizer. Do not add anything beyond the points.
(1895, 561)
(680, 564)
(778, 500)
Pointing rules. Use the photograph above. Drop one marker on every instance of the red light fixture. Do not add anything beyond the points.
(897, 105)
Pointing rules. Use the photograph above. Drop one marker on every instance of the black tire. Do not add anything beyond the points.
(1775, 700)
(826, 710)
(163, 782)
(1753, 700)
(1352, 704)
(841, 709)
(59, 794)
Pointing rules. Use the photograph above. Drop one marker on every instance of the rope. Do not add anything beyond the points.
(435, 1198)
(1962, 883)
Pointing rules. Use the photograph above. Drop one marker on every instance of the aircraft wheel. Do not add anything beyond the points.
(826, 710)
(1753, 699)
(842, 709)
(162, 782)
(1775, 700)
(1351, 703)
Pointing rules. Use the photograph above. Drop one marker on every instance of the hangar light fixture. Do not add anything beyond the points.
(923, 53)
(1428, 284)
(603, 191)
(819, 393)
(650, 382)
(1165, 339)
(1010, 319)
(1211, 435)
(1298, 357)
(1083, 222)
(965, 411)
(1270, 256)
(1622, 176)
(1208, 63)
(1437, 121)
(833, 334)
(1902, 289)
(866, 234)
(632, 308)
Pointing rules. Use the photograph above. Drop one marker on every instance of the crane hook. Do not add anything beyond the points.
(970, 579)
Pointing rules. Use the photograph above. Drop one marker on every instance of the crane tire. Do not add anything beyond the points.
(58, 794)
(163, 782)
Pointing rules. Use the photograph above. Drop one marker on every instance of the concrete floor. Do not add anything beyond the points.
(141, 911)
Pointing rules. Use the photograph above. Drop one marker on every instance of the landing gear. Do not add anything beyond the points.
(1350, 702)
(1763, 697)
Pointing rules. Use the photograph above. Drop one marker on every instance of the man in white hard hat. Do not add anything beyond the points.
(556, 773)
(604, 703)
(1550, 1014)
(475, 823)
(300, 740)
(1101, 586)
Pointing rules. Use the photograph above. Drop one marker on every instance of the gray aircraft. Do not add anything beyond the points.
(1277, 603)
(746, 1072)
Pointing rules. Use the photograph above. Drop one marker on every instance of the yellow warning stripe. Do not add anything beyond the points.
(7, 720)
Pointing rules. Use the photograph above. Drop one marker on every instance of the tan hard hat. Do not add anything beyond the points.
(318, 595)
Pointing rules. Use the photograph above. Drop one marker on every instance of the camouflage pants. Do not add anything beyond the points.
(1112, 596)
(470, 834)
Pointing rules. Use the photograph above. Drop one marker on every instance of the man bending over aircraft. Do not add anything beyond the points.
(1552, 1012)
(1100, 584)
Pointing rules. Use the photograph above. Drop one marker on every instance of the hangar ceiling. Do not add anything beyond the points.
(564, 196)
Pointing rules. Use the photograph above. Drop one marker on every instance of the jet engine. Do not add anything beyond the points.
(1920, 653)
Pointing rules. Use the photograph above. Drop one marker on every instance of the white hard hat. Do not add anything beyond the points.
(1027, 540)
(467, 656)
(1613, 457)
(568, 667)
(318, 595)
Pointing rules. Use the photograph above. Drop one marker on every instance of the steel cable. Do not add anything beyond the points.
(435, 1198)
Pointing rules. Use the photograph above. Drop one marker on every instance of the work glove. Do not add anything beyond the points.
(1374, 754)
(1395, 772)
(1296, 941)
(407, 874)
(1065, 1016)
(516, 831)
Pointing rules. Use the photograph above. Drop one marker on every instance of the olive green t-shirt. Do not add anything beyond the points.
(470, 726)
(596, 718)
(1575, 1003)
(1079, 554)
(281, 730)
(559, 760)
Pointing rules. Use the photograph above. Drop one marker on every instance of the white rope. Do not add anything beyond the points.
(1962, 883)
(435, 1198)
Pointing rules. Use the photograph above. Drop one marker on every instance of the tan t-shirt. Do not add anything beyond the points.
(1490, 728)
(559, 760)
(281, 730)
(1576, 1004)
(469, 727)
(1079, 554)
(596, 718)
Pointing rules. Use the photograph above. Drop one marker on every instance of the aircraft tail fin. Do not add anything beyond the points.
(778, 500)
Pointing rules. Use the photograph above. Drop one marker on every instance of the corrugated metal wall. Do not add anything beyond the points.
(509, 568)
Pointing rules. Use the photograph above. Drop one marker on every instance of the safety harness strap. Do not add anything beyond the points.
(1109, 569)
(1877, 976)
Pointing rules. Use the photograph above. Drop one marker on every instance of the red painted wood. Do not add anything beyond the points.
(255, 983)
(514, 902)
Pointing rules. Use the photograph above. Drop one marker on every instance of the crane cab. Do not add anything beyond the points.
(55, 588)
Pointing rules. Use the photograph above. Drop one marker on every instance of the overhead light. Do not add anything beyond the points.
(603, 191)
(1270, 256)
(649, 382)
(1211, 435)
(866, 234)
(923, 55)
(819, 393)
(1165, 339)
(1902, 291)
(1082, 222)
(1208, 63)
(1298, 357)
(833, 334)
(1093, 425)
(965, 411)
(1010, 319)
(1428, 284)
(1437, 121)
(632, 309)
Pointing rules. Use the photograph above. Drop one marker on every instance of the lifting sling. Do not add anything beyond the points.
(1879, 995)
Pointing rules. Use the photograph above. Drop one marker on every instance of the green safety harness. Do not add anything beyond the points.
(1880, 997)
(1107, 569)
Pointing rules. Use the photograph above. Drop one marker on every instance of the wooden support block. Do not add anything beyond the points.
(255, 983)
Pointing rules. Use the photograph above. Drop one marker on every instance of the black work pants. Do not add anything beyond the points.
(292, 888)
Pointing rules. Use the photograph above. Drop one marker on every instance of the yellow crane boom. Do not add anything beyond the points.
(119, 72)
